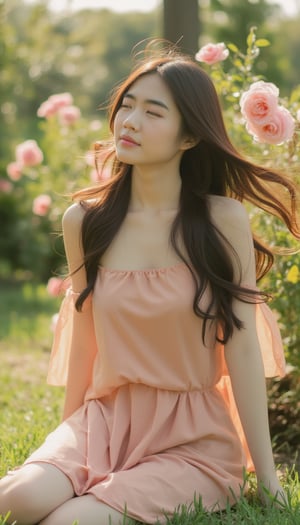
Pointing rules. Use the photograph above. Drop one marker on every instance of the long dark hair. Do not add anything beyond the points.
(212, 166)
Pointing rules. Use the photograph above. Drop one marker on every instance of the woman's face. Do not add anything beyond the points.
(148, 127)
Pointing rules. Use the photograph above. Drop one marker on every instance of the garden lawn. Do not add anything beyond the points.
(30, 409)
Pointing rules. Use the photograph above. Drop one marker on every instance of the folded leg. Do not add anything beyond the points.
(85, 510)
(31, 492)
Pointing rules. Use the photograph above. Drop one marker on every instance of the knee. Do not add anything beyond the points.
(18, 499)
(32, 492)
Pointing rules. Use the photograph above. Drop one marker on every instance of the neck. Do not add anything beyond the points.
(154, 189)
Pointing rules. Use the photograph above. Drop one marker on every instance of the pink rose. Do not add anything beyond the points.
(68, 115)
(54, 103)
(259, 102)
(55, 286)
(5, 186)
(279, 128)
(212, 53)
(298, 115)
(46, 109)
(14, 170)
(28, 153)
(60, 100)
(41, 204)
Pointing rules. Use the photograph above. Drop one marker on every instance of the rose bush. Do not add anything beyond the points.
(14, 170)
(260, 122)
(40, 179)
(28, 154)
(41, 204)
(54, 103)
(68, 115)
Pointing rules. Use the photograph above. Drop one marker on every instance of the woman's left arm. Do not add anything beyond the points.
(244, 362)
(243, 354)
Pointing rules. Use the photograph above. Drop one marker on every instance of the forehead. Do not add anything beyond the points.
(151, 86)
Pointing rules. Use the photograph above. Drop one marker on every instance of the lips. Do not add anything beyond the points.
(126, 139)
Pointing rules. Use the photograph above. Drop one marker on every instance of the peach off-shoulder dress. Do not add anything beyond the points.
(159, 426)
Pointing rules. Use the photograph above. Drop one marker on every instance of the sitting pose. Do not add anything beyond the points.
(164, 339)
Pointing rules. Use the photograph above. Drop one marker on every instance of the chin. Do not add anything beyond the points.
(122, 157)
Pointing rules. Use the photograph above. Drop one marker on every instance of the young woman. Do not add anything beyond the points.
(164, 340)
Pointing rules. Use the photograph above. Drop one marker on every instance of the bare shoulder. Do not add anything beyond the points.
(232, 221)
(71, 225)
(227, 214)
(226, 207)
(73, 217)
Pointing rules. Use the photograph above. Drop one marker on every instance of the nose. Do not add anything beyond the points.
(131, 121)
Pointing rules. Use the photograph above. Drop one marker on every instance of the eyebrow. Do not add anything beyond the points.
(148, 101)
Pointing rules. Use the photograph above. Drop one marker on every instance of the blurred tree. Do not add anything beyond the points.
(84, 53)
(102, 46)
(181, 24)
(88, 51)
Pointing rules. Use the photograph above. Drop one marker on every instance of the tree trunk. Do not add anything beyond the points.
(181, 24)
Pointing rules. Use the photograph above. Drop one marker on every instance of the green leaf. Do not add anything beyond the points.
(231, 98)
(262, 42)
(250, 39)
(238, 63)
(295, 95)
(233, 48)
(237, 78)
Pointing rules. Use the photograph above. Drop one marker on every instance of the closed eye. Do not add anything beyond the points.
(153, 113)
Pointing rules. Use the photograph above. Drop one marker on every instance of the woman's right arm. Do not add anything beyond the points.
(83, 341)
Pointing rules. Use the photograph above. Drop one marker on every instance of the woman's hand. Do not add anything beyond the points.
(271, 492)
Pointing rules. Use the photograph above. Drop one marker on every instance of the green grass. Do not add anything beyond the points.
(30, 409)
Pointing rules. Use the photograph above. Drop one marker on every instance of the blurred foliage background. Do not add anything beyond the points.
(86, 53)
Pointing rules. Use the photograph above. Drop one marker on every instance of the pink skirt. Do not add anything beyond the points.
(149, 451)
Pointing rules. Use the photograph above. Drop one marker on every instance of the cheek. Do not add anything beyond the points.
(175, 136)
(117, 124)
(167, 130)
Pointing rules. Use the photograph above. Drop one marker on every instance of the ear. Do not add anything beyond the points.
(188, 143)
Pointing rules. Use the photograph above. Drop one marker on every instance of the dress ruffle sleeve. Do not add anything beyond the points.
(61, 346)
(270, 341)
(60, 353)
(273, 360)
